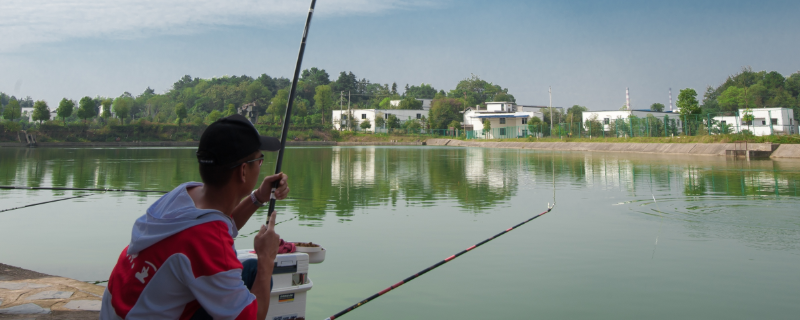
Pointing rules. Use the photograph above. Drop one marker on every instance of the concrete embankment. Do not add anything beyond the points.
(701, 149)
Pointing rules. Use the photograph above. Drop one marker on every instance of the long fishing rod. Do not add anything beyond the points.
(36, 204)
(78, 189)
(451, 258)
(288, 116)
(98, 189)
(440, 263)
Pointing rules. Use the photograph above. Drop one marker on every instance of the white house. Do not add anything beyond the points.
(765, 122)
(341, 118)
(506, 119)
(607, 116)
(426, 103)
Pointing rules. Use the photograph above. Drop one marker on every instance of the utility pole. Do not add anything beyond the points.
(341, 99)
(349, 113)
(550, 91)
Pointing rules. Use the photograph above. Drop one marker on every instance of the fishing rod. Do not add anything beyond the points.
(451, 258)
(438, 264)
(288, 116)
(36, 204)
(99, 189)
(78, 189)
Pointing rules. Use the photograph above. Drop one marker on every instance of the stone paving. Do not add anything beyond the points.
(53, 297)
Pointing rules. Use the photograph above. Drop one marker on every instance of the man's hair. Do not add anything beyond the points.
(215, 176)
(218, 176)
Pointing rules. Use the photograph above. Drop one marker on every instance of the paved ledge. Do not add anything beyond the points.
(25, 293)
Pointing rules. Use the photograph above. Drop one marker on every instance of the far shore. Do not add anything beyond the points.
(698, 149)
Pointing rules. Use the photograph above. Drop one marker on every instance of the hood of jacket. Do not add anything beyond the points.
(173, 213)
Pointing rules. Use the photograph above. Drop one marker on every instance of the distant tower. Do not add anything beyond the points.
(627, 98)
(670, 99)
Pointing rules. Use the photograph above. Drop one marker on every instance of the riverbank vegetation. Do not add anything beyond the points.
(182, 112)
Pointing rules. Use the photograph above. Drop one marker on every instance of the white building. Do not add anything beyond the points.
(341, 118)
(506, 119)
(608, 116)
(426, 103)
(765, 122)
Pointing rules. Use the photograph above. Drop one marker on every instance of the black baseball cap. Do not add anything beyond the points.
(230, 139)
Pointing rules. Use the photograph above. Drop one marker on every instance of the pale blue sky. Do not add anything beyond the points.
(589, 51)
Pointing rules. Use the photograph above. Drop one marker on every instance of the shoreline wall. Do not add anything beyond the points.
(699, 149)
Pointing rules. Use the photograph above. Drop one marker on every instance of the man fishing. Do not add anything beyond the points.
(181, 262)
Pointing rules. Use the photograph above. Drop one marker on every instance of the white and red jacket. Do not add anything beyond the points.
(179, 258)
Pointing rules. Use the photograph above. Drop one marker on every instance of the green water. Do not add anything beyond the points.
(728, 231)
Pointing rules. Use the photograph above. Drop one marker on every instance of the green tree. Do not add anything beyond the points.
(657, 107)
(366, 125)
(487, 125)
(534, 124)
(444, 111)
(323, 100)
(689, 108)
(386, 103)
(454, 124)
(122, 107)
(731, 99)
(12, 110)
(423, 91)
(180, 112)
(278, 103)
(476, 91)
(747, 117)
(65, 109)
(86, 108)
(687, 102)
(379, 121)
(410, 103)
(41, 111)
(106, 103)
(259, 94)
(792, 84)
(412, 126)
(230, 110)
(213, 116)
(393, 122)
(575, 113)
(315, 77)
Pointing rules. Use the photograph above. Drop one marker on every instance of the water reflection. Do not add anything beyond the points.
(340, 179)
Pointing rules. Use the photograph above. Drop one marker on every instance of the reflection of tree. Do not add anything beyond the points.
(344, 180)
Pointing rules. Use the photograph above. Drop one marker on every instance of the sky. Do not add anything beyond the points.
(589, 52)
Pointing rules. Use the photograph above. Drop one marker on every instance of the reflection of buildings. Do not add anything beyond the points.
(482, 168)
(607, 172)
(353, 166)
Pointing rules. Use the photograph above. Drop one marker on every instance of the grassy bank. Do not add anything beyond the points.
(729, 138)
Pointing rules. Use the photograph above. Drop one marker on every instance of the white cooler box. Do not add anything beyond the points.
(290, 284)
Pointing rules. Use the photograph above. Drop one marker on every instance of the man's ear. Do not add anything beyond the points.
(241, 173)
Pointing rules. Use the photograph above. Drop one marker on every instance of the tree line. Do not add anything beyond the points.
(202, 101)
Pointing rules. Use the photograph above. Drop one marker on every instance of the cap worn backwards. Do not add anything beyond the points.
(230, 139)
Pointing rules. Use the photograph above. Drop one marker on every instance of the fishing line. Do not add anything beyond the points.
(451, 258)
(36, 204)
(658, 209)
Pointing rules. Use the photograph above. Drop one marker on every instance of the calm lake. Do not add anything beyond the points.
(721, 239)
